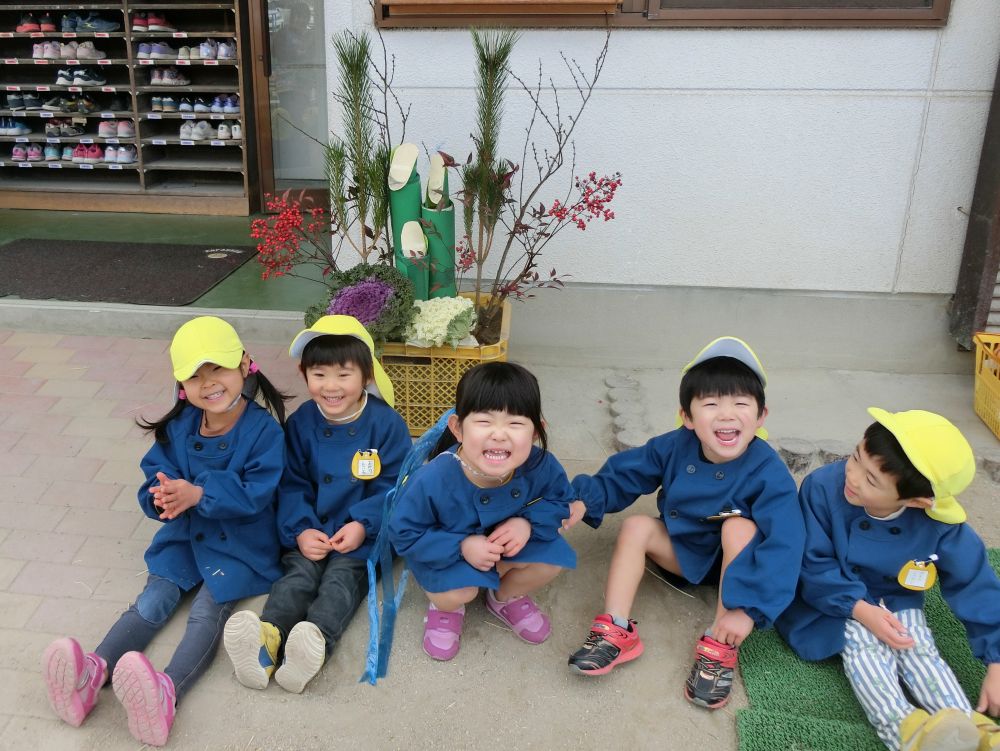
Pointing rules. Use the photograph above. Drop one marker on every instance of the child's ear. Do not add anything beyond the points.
(922, 503)
(455, 426)
(302, 370)
(685, 419)
(762, 417)
(245, 365)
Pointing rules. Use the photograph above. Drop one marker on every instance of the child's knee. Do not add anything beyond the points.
(157, 602)
(638, 530)
(737, 533)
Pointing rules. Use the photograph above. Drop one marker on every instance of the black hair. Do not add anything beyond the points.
(882, 445)
(497, 387)
(338, 349)
(720, 376)
(255, 384)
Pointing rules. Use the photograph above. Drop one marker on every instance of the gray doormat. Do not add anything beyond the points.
(97, 271)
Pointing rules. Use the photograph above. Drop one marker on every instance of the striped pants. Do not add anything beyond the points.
(875, 671)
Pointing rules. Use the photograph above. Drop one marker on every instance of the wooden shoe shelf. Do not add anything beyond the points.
(170, 174)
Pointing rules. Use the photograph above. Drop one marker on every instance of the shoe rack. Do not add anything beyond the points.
(170, 174)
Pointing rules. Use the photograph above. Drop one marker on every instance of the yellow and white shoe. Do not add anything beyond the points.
(989, 732)
(945, 730)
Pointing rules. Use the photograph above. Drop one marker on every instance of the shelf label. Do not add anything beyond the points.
(20, 139)
(217, 117)
(43, 62)
(46, 114)
(42, 88)
(53, 140)
(105, 61)
(10, 61)
(114, 166)
(101, 34)
(6, 34)
(145, 61)
(55, 165)
(185, 142)
(159, 142)
(86, 140)
(69, 35)
(211, 62)
(36, 34)
(13, 88)
(111, 140)
(180, 35)
(86, 166)
(217, 143)
(75, 88)
(107, 89)
(183, 62)
(155, 116)
(187, 116)
(108, 115)
(25, 164)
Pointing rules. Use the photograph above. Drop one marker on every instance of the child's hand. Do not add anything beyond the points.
(313, 544)
(349, 537)
(512, 535)
(174, 497)
(732, 627)
(883, 624)
(989, 695)
(577, 509)
(480, 553)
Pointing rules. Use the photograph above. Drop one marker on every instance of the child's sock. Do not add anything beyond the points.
(493, 597)
(621, 622)
(459, 609)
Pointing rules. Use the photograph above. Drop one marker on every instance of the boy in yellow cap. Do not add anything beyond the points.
(727, 513)
(344, 449)
(881, 527)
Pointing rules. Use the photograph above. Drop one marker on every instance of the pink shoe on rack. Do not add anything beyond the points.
(523, 617)
(73, 679)
(148, 698)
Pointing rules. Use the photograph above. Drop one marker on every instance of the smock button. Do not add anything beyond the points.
(484, 500)
(327, 433)
(353, 479)
(894, 530)
(690, 469)
(222, 536)
(223, 446)
(515, 493)
(199, 537)
(865, 524)
(327, 479)
(673, 514)
(322, 520)
(197, 447)
(720, 475)
(855, 569)
(352, 431)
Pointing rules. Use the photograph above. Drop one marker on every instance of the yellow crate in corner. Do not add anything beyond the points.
(424, 378)
(987, 388)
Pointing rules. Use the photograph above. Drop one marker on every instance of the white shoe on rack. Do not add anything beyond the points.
(224, 132)
(237, 132)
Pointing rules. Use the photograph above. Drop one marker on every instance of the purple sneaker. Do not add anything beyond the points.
(73, 679)
(144, 49)
(148, 698)
(523, 616)
(443, 632)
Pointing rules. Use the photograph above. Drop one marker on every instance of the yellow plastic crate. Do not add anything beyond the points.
(424, 378)
(987, 389)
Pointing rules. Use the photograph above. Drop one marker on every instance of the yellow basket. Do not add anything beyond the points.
(424, 378)
(987, 391)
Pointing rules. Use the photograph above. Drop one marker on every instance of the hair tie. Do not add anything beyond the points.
(254, 367)
(181, 394)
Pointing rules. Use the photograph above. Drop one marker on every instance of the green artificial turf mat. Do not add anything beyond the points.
(809, 706)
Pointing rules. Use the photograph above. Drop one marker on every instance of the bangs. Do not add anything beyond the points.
(720, 376)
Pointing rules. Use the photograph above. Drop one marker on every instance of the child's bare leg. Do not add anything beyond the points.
(732, 626)
(640, 536)
(519, 579)
(453, 599)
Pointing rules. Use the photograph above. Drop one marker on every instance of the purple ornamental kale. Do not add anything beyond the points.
(365, 300)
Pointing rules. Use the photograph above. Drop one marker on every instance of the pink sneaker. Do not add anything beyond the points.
(148, 698)
(443, 632)
(73, 679)
(523, 616)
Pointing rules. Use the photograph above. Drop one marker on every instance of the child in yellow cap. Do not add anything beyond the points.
(881, 527)
(344, 450)
(211, 478)
(727, 513)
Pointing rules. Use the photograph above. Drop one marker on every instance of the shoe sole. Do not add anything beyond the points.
(61, 668)
(138, 690)
(305, 653)
(241, 639)
(619, 660)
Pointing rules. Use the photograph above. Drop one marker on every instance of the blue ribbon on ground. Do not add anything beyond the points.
(381, 627)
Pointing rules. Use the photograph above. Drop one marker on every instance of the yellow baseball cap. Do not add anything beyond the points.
(730, 346)
(201, 340)
(346, 326)
(939, 452)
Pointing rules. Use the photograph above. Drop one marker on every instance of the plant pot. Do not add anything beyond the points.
(424, 378)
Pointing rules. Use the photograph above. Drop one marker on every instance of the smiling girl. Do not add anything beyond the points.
(486, 511)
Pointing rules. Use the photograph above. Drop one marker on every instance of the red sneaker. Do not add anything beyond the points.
(711, 677)
(607, 645)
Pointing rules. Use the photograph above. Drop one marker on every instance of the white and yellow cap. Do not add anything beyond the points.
(347, 326)
(939, 452)
(730, 346)
(201, 340)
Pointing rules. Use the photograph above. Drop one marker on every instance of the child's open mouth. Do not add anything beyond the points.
(214, 396)
(496, 456)
(728, 437)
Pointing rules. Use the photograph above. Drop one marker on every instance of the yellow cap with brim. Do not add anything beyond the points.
(730, 346)
(346, 326)
(201, 340)
(939, 452)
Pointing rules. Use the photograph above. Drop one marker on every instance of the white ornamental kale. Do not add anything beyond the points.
(441, 320)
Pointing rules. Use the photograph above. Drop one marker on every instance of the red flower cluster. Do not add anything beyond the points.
(466, 255)
(595, 193)
(283, 232)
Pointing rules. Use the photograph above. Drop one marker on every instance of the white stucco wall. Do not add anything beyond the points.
(804, 159)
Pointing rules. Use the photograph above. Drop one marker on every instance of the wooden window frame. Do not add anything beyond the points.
(638, 13)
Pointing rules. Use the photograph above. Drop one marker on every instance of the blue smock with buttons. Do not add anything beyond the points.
(851, 556)
(318, 489)
(761, 579)
(229, 539)
(438, 507)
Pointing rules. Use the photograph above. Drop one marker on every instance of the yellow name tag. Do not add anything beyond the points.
(917, 575)
(366, 465)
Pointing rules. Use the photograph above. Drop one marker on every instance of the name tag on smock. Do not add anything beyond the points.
(366, 465)
(918, 575)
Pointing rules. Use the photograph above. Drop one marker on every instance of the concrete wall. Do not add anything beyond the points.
(809, 159)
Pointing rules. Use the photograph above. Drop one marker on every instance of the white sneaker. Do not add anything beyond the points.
(87, 51)
(224, 132)
(125, 129)
(237, 132)
(126, 155)
(186, 131)
(68, 51)
(305, 653)
(50, 50)
(184, 53)
(38, 50)
(227, 51)
(208, 49)
(156, 76)
(202, 131)
(194, 53)
(111, 154)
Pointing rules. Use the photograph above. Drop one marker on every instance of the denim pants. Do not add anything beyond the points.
(875, 671)
(326, 593)
(150, 612)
